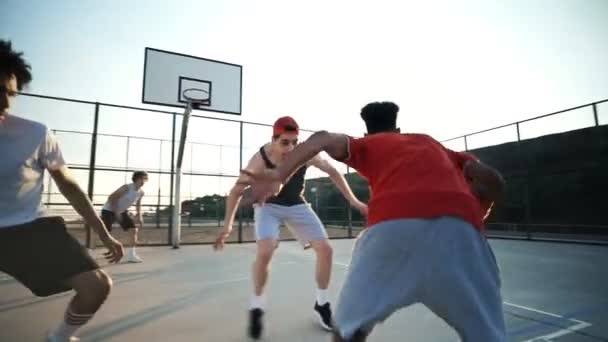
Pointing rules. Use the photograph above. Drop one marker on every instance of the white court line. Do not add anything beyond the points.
(226, 281)
(579, 325)
(341, 264)
(533, 310)
(562, 332)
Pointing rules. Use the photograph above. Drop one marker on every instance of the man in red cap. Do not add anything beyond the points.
(290, 208)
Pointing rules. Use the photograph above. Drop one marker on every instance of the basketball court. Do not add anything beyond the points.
(552, 292)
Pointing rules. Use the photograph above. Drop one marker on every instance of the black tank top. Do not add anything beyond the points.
(292, 192)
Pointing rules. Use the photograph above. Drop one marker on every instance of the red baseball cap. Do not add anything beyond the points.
(285, 124)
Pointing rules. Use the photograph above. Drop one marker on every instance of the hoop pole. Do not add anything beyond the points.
(177, 227)
(177, 222)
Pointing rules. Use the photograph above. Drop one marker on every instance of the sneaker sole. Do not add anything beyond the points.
(325, 326)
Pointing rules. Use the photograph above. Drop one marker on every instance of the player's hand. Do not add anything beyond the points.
(361, 207)
(263, 184)
(220, 241)
(115, 250)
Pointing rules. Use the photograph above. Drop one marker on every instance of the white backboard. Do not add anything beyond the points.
(167, 74)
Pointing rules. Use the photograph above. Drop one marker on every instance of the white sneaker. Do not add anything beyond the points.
(134, 258)
(52, 338)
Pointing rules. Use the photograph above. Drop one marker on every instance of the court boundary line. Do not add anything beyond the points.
(573, 329)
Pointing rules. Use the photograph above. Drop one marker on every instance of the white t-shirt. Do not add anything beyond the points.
(27, 148)
(131, 196)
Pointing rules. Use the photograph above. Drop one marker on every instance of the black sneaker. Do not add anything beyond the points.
(255, 323)
(324, 314)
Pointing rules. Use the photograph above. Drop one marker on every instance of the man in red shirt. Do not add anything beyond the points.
(424, 242)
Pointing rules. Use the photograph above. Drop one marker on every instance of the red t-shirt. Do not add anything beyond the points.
(413, 176)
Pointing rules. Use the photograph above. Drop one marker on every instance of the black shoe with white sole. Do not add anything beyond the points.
(324, 314)
(255, 323)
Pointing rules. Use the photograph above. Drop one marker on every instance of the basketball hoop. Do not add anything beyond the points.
(196, 97)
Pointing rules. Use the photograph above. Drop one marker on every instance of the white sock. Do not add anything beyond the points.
(322, 296)
(131, 252)
(70, 324)
(257, 302)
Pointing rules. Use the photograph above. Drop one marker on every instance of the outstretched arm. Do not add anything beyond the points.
(338, 179)
(255, 165)
(336, 145)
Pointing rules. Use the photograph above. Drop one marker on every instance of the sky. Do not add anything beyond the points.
(453, 67)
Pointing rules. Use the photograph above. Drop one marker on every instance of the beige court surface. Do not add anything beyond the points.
(552, 292)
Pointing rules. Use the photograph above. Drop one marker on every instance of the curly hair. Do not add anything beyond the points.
(380, 116)
(13, 63)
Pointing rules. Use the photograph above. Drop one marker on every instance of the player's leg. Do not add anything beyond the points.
(385, 274)
(92, 288)
(267, 221)
(108, 219)
(309, 230)
(59, 264)
(128, 225)
(472, 303)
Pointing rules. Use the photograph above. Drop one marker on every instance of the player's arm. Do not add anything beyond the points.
(337, 178)
(50, 157)
(335, 145)
(138, 214)
(78, 199)
(115, 197)
(487, 182)
(256, 164)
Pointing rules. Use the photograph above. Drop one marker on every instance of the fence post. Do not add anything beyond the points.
(158, 207)
(597, 121)
(92, 161)
(466, 143)
(518, 134)
(170, 230)
(160, 174)
(240, 167)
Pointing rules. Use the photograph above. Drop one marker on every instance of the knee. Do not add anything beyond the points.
(265, 253)
(323, 250)
(105, 284)
(98, 287)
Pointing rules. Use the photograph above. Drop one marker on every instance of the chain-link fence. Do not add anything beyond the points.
(105, 143)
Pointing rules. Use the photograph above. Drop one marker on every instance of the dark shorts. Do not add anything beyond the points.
(108, 218)
(42, 255)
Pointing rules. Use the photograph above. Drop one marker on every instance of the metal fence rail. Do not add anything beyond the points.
(100, 168)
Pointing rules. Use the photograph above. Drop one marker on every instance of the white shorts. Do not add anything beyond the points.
(300, 219)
